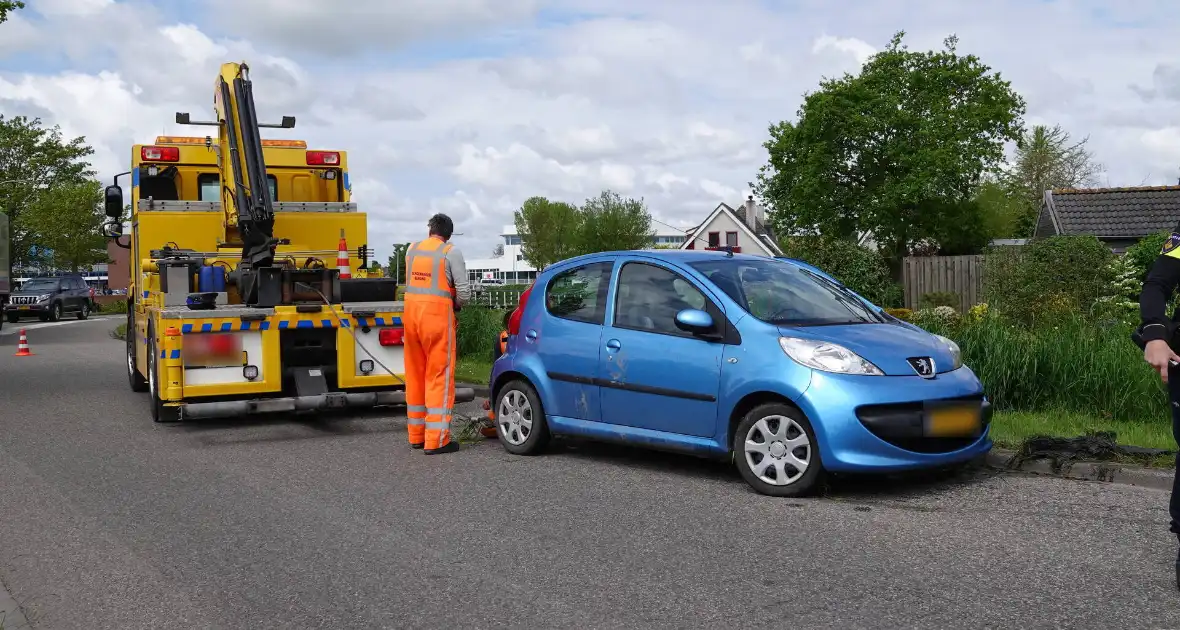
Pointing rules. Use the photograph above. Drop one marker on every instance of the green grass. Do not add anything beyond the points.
(473, 372)
(1071, 366)
(1011, 428)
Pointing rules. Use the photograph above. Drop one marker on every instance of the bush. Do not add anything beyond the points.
(112, 306)
(860, 269)
(1141, 256)
(479, 327)
(939, 298)
(1072, 365)
(1040, 281)
(903, 314)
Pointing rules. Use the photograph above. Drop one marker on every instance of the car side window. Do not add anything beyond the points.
(648, 298)
(579, 294)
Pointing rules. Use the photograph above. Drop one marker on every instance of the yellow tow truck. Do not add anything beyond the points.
(237, 304)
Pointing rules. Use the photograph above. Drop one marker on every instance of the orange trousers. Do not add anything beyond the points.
(430, 355)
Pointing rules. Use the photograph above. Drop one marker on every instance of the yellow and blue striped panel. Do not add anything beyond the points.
(283, 322)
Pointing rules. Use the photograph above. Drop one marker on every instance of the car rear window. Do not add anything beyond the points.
(781, 293)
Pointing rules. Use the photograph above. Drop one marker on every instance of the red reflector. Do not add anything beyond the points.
(160, 154)
(323, 158)
(391, 336)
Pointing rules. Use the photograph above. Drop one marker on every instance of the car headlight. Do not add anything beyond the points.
(43, 298)
(956, 353)
(827, 357)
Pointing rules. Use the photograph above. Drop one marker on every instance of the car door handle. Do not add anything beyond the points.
(614, 344)
(531, 335)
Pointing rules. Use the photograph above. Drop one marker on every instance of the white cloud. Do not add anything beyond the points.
(471, 106)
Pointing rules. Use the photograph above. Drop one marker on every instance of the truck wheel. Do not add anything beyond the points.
(160, 413)
(138, 383)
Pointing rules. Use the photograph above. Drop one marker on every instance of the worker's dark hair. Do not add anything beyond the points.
(441, 225)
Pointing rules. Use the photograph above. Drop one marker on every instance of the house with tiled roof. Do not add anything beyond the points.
(743, 228)
(1118, 217)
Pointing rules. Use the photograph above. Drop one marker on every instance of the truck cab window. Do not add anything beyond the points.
(208, 187)
(160, 188)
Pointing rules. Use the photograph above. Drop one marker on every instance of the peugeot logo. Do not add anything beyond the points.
(924, 366)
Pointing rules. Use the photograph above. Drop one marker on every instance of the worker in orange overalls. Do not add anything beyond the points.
(437, 287)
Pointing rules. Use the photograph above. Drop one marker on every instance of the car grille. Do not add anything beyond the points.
(902, 426)
(23, 299)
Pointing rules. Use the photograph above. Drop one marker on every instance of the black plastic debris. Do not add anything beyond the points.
(1096, 446)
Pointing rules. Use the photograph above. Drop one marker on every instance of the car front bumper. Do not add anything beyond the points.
(877, 423)
(27, 310)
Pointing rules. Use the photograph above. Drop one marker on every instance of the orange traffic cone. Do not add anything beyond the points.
(342, 259)
(22, 347)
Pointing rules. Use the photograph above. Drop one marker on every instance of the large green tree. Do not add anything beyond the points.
(1047, 158)
(34, 159)
(549, 231)
(610, 222)
(397, 262)
(67, 219)
(8, 6)
(898, 150)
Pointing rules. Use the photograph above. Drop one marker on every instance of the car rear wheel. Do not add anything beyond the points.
(520, 420)
(775, 451)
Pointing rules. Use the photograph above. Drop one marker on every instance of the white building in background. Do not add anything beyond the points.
(511, 268)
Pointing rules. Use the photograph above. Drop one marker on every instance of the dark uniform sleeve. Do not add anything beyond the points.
(1157, 290)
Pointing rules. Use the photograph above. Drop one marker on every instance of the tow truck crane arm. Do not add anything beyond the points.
(245, 196)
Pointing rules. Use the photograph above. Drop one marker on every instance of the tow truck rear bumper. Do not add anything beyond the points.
(332, 400)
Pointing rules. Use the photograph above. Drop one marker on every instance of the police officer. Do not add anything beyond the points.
(1158, 333)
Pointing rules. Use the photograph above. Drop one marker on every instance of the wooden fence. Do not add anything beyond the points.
(961, 275)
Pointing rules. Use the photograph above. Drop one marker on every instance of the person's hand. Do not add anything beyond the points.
(1158, 354)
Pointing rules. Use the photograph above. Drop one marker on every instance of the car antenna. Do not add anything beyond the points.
(728, 249)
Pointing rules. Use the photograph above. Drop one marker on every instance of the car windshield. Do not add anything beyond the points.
(781, 293)
(40, 285)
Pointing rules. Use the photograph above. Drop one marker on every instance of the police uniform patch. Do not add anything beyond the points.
(1171, 244)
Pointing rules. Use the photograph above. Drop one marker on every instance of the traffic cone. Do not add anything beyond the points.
(22, 347)
(342, 259)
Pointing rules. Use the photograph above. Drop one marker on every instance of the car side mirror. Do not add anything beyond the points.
(113, 202)
(695, 321)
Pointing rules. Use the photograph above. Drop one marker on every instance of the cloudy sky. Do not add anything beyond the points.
(471, 106)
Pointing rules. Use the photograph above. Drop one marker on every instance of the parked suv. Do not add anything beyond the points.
(50, 299)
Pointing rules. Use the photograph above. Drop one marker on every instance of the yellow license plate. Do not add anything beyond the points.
(23, 308)
(956, 421)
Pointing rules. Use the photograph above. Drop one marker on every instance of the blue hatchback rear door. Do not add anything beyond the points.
(569, 336)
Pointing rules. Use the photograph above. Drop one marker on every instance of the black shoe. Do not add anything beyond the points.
(418, 445)
(449, 447)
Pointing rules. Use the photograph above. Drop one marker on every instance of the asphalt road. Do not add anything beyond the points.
(109, 521)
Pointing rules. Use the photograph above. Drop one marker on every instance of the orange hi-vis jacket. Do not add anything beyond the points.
(430, 344)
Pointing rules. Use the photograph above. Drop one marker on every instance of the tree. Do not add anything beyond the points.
(33, 158)
(999, 209)
(397, 262)
(549, 231)
(8, 6)
(1047, 158)
(67, 220)
(498, 250)
(610, 222)
(897, 151)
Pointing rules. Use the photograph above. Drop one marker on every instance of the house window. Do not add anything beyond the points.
(714, 239)
(731, 239)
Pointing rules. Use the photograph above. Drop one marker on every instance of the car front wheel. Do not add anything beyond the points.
(85, 311)
(775, 451)
(520, 420)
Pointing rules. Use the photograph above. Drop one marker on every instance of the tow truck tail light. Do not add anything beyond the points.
(323, 158)
(391, 336)
(160, 154)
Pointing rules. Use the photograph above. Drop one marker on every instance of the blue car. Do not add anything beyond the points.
(767, 362)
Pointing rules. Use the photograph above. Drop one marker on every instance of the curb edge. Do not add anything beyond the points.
(1103, 472)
